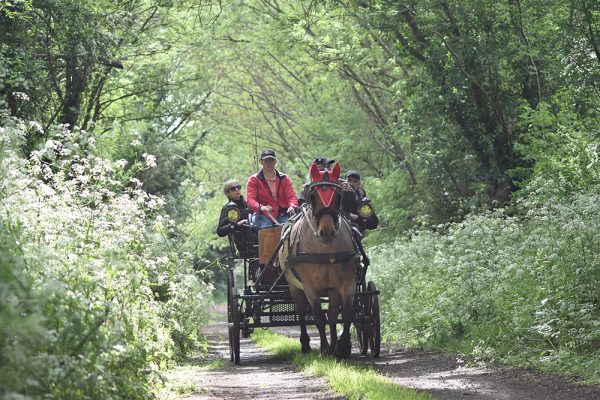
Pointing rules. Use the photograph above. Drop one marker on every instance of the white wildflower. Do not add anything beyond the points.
(107, 193)
(121, 163)
(20, 96)
(47, 172)
(52, 144)
(64, 152)
(36, 155)
(150, 160)
(36, 126)
(83, 179)
(136, 182)
(78, 169)
(152, 204)
(47, 191)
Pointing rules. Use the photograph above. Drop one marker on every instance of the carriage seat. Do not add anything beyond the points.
(268, 239)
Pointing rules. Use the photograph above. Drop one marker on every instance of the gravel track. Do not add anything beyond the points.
(263, 376)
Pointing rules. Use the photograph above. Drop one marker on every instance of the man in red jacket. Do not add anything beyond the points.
(270, 194)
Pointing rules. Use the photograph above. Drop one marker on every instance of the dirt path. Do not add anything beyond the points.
(262, 376)
(259, 375)
(447, 377)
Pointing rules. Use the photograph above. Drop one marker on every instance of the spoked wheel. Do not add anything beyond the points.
(362, 336)
(233, 320)
(374, 325)
(229, 312)
(362, 328)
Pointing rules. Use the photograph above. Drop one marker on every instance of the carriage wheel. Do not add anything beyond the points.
(229, 312)
(374, 325)
(362, 336)
(362, 328)
(233, 320)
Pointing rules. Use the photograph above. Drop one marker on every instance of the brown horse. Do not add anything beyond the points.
(320, 259)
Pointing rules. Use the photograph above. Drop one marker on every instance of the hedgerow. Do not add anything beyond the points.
(95, 298)
(521, 287)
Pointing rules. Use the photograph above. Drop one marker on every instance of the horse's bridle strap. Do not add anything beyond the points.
(316, 185)
(321, 258)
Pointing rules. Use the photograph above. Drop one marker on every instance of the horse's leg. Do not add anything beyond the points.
(301, 305)
(332, 314)
(320, 320)
(344, 346)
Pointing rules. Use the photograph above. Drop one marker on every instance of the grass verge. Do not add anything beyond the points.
(346, 378)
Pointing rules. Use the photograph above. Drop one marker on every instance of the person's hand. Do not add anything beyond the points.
(291, 210)
(354, 217)
(266, 208)
(346, 186)
(242, 222)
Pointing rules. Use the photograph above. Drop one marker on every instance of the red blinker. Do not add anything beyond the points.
(325, 192)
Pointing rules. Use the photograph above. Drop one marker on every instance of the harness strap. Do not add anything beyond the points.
(315, 258)
(305, 213)
(322, 184)
(322, 258)
(294, 278)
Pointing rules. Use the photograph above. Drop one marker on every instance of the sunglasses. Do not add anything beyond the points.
(231, 189)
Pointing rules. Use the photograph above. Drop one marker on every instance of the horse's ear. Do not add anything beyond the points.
(335, 173)
(315, 174)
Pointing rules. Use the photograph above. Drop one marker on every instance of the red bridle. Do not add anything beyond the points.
(325, 183)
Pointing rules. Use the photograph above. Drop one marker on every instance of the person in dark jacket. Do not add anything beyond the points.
(353, 179)
(242, 233)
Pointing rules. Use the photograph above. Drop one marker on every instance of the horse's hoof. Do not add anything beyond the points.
(326, 351)
(343, 350)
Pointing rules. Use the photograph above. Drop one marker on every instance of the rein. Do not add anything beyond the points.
(309, 221)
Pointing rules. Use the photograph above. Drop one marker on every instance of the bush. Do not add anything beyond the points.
(95, 298)
(513, 288)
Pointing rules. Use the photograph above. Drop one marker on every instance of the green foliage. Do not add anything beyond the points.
(517, 288)
(447, 109)
(97, 297)
(562, 146)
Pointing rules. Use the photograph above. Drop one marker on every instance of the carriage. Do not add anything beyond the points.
(265, 300)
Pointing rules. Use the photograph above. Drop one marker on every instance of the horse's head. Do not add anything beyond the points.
(325, 200)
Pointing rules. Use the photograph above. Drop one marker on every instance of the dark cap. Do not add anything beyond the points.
(323, 161)
(353, 173)
(268, 154)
